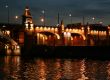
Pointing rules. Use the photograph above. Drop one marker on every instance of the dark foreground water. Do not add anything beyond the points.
(19, 68)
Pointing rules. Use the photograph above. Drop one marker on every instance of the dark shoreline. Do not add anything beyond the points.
(90, 52)
(75, 52)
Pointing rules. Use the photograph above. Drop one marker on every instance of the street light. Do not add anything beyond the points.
(100, 22)
(93, 19)
(43, 11)
(16, 18)
(70, 18)
(7, 7)
(43, 19)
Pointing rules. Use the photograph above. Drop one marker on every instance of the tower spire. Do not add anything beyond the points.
(27, 12)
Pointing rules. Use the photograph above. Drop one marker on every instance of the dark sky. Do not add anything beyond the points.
(100, 9)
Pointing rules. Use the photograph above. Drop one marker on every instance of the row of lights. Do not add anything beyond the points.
(98, 32)
(41, 28)
(42, 19)
(74, 30)
(46, 29)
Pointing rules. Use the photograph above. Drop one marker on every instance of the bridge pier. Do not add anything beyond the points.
(29, 41)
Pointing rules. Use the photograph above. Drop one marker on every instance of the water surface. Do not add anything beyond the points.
(19, 68)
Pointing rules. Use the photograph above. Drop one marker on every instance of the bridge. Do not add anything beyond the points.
(71, 35)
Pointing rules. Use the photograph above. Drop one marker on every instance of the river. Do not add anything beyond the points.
(25, 68)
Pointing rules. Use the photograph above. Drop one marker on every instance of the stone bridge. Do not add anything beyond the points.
(61, 35)
(66, 36)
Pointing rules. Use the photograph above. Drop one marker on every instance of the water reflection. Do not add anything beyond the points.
(17, 68)
(82, 71)
(11, 67)
(97, 70)
(40, 69)
(108, 71)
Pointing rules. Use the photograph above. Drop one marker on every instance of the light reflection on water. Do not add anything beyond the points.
(17, 68)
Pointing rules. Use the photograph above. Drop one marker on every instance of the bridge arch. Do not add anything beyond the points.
(47, 38)
(77, 39)
(49, 33)
(84, 37)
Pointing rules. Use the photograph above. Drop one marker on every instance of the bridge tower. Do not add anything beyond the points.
(29, 32)
(26, 17)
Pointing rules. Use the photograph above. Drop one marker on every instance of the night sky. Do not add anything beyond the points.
(100, 9)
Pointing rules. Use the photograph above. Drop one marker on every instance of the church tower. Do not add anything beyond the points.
(26, 17)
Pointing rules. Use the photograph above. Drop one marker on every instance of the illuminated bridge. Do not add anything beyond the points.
(71, 35)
